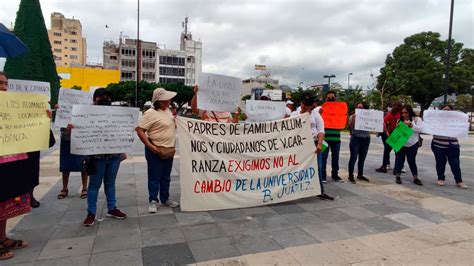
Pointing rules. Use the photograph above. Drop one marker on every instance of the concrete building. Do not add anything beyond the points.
(257, 84)
(68, 46)
(157, 64)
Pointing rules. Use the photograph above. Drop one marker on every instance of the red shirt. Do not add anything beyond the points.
(391, 121)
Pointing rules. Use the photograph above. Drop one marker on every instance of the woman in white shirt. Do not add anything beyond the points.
(410, 148)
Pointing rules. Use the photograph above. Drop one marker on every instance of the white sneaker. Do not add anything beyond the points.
(171, 203)
(152, 207)
(389, 167)
(404, 171)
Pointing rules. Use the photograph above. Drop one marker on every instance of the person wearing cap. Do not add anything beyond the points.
(106, 167)
(290, 107)
(157, 130)
(212, 116)
(317, 130)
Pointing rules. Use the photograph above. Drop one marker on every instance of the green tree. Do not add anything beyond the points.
(269, 86)
(416, 67)
(38, 64)
(463, 102)
(246, 97)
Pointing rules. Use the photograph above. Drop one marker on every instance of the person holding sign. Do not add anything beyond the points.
(390, 122)
(103, 168)
(157, 130)
(359, 147)
(446, 149)
(212, 116)
(333, 137)
(410, 149)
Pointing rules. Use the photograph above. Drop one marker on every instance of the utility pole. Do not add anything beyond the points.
(139, 58)
(448, 57)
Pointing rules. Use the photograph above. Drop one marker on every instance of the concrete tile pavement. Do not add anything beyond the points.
(369, 223)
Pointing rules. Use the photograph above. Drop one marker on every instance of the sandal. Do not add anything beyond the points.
(63, 194)
(5, 254)
(84, 194)
(14, 244)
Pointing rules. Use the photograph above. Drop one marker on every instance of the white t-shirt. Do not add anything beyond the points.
(415, 137)
(317, 123)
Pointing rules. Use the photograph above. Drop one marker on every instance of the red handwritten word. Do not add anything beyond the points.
(248, 165)
(212, 186)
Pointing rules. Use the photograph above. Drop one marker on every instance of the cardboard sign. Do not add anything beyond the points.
(24, 124)
(335, 115)
(225, 165)
(262, 111)
(103, 129)
(399, 136)
(38, 87)
(446, 123)
(67, 99)
(218, 92)
(369, 120)
(274, 95)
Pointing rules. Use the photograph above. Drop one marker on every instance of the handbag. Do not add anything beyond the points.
(420, 142)
(166, 152)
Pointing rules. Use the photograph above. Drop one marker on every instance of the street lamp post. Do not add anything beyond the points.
(138, 72)
(329, 79)
(348, 86)
(446, 78)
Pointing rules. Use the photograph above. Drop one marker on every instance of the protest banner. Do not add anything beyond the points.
(67, 99)
(103, 129)
(24, 124)
(218, 92)
(227, 165)
(30, 86)
(368, 120)
(399, 136)
(446, 123)
(274, 95)
(261, 111)
(334, 115)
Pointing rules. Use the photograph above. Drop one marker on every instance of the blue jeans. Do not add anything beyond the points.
(451, 155)
(159, 172)
(335, 147)
(410, 154)
(106, 171)
(320, 172)
(359, 147)
(386, 150)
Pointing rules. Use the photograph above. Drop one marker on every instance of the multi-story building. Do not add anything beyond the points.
(68, 46)
(258, 84)
(157, 64)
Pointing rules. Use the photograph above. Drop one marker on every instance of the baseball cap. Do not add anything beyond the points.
(160, 94)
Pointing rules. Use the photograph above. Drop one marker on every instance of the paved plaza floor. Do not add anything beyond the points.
(376, 223)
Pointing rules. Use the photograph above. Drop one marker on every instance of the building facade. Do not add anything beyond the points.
(258, 84)
(88, 78)
(68, 46)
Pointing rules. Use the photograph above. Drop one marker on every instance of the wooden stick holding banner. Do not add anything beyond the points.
(399, 136)
(226, 165)
(218, 92)
(334, 115)
(24, 124)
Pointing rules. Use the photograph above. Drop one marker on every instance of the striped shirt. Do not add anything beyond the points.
(443, 142)
(332, 134)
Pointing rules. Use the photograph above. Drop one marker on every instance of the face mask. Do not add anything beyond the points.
(104, 102)
(331, 99)
(389, 109)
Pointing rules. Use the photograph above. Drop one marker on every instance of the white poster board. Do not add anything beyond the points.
(218, 92)
(228, 165)
(369, 120)
(274, 95)
(66, 100)
(30, 86)
(262, 111)
(103, 129)
(446, 123)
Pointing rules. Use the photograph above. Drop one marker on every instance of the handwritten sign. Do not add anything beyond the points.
(335, 115)
(225, 165)
(261, 111)
(274, 95)
(30, 86)
(446, 123)
(399, 136)
(67, 99)
(218, 93)
(24, 124)
(369, 120)
(103, 129)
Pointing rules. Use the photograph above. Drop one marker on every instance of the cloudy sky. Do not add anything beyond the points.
(299, 40)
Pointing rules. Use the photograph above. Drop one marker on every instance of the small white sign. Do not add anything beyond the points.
(262, 111)
(446, 123)
(103, 129)
(274, 95)
(66, 100)
(218, 92)
(30, 86)
(369, 120)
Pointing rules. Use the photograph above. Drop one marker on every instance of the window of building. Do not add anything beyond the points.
(73, 56)
(191, 59)
(65, 55)
(57, 42)
(128, 51)
(148, 76)
(148, 64)
(113, 57)
(73, 41)
(128, 63)
(172, 71)
(171, 80)
(73, 48)
(57, 50)
(73, 33)
(172, 60)
(64, 75)
(148, 53)
(57, 34)
(127, 75)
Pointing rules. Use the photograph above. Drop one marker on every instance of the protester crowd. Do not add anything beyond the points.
(19, 173)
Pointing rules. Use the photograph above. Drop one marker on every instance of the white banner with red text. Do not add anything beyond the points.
(228, 165)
